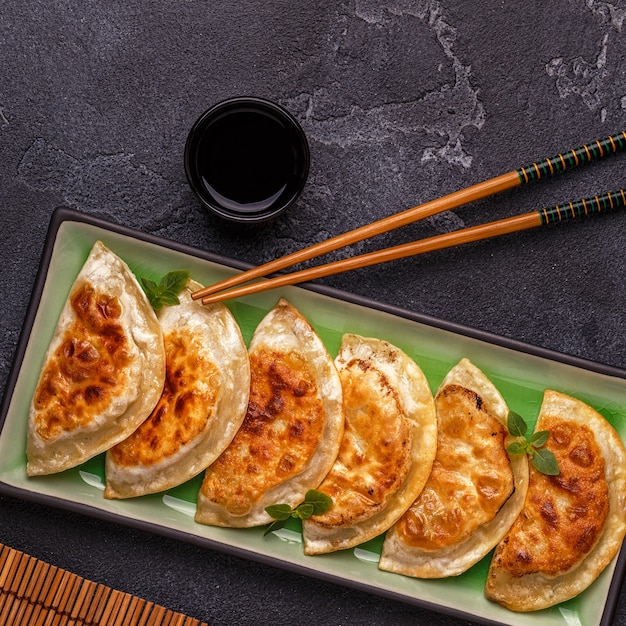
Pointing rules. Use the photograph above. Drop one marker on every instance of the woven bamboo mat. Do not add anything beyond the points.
(35, 593)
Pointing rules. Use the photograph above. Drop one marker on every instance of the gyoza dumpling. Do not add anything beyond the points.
(291, 433)
(388, 446)
(103, 371)
(573, 524)
(475, 490)
(203, 402)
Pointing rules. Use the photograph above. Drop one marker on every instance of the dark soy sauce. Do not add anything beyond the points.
(247, 161)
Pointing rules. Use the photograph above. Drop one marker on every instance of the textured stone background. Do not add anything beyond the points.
(402, 101)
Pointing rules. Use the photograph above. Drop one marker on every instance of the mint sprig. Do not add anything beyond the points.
(543, 460)
(166, 292)
(315, 503)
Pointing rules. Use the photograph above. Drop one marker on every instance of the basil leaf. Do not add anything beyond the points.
(315, 503)
(275, 525)
(166, 292)
(169, 298)
(304, 511)
(279, 511)
(175, 281)
(320, 501)
(540, 438)
(516, 448)
(149, 285)
(545, 462)
(516, 424)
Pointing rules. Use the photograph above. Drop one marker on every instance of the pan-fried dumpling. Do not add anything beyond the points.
(475, 490)
(292, 429)
(388, 446)
(103, 371)
(201, 408)
(573, 524)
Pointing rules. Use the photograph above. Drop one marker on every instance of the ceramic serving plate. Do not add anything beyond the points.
(521, 372)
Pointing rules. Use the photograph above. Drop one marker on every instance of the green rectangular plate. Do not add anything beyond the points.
(521, 373)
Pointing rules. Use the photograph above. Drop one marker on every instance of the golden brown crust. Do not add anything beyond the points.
(471, 478)
(87, 369)
(387, 450)
(291, 432)
(103, 371)
(282, 428)
(182, 412)
(563, 515)
(375, 455)
(475, 489)
(201, 407)
(572, 524)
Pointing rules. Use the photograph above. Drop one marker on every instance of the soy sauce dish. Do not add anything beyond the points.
(247, 159)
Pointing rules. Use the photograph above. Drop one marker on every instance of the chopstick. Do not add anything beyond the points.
(542, 217)
(547, 167)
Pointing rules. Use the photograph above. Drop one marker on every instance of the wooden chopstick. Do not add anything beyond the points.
(542, 217)
(572, 158)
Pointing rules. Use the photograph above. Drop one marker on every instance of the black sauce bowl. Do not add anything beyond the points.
(247, 159)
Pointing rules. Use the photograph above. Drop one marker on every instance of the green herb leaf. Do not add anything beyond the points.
(320, 501)
(149, 285)
(279, 511)
(540, 438)
(315, 503)
(516, 424)
(545, 462)
(175, 281)
(166, 292)
(304, 511)
(169, 299)
(275, 525)
(516, 447)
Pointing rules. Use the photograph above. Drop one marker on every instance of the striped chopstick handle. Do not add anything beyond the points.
(577, 156)
(584, 207)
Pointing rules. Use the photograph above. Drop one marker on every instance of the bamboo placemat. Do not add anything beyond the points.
(35, 593)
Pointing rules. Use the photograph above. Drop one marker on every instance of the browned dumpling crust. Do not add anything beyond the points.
(388, 447)
(475, 489)
(292, 429)
(461, 495)
(572, 524)
(103, 371)
(201, 407)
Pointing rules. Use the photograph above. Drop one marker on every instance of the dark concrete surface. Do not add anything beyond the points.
(402, 101)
